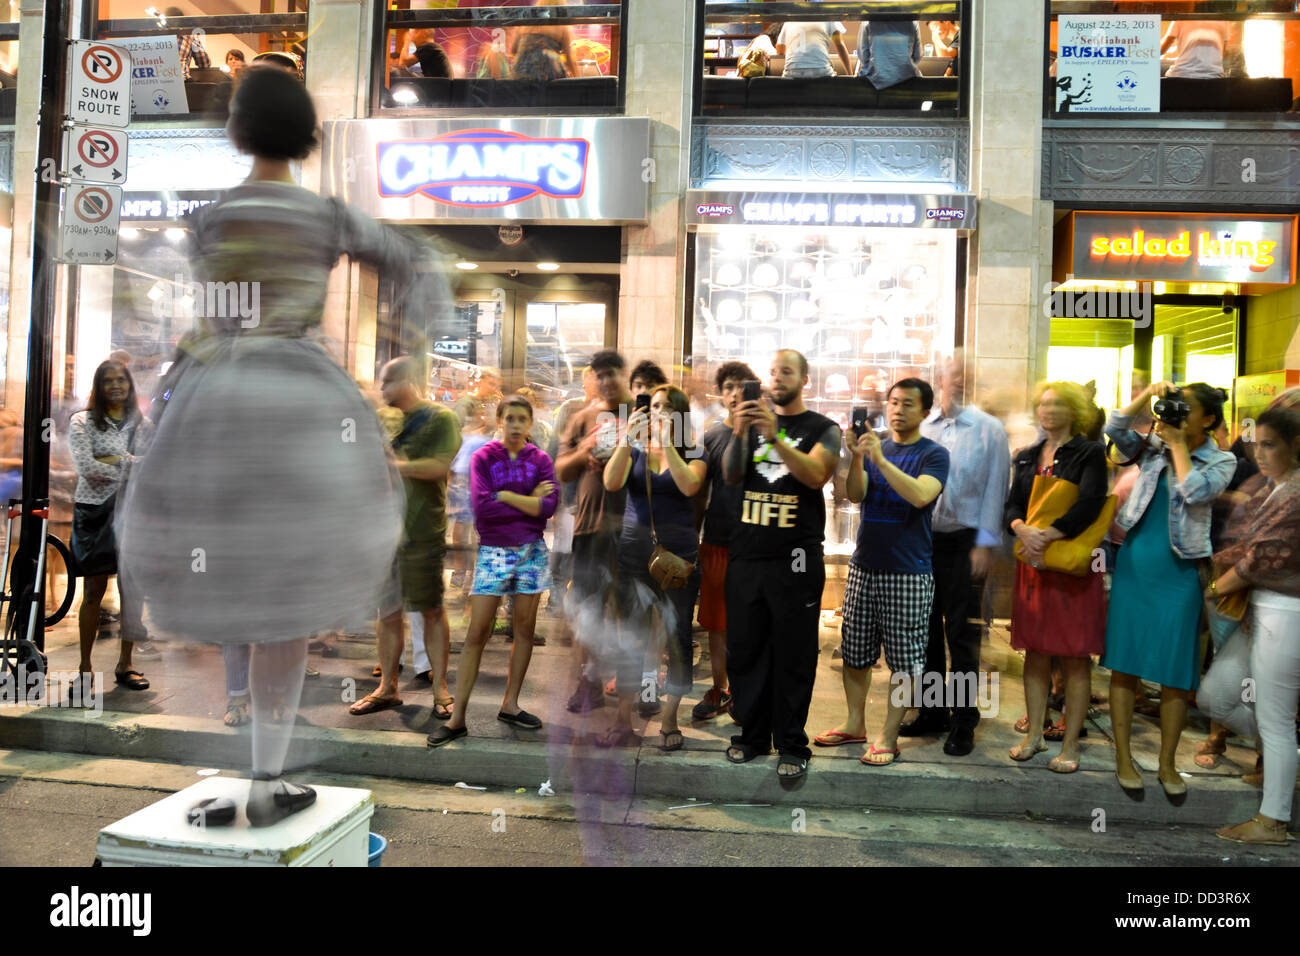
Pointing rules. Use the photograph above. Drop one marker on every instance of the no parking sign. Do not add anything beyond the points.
(90, 222)
(95, 155)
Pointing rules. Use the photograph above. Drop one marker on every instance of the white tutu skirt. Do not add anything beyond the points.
(265, 508)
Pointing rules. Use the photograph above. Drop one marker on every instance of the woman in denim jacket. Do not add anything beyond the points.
(1153, 623)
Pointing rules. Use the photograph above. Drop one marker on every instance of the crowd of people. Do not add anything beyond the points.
(260, 450)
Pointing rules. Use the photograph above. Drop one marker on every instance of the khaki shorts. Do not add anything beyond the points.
(415, 583)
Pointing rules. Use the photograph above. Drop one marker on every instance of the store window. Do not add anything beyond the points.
(831, 58)
(500, 54)
(8, 64)
(210, 51)
(1229, 57)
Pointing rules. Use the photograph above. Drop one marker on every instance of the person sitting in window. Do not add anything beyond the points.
(542, 52)
(235, 62)
(889, 52)
(807, 48)
(190, 46)
(425, 55)
(1200, 45)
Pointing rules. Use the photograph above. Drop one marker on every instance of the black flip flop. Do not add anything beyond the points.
(746, 755)
(212, 812)
(522, 719)
(445, 735)
(125, 678)
(799, 762)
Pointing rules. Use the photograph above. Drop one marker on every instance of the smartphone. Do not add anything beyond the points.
(643, 402)
(751, 391)
(861, 420)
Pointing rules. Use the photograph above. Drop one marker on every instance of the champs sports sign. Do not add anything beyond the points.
(484, 167)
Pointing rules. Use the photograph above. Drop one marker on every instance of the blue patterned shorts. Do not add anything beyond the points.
(522, 570)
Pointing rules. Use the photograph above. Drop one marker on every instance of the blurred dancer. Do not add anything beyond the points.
(266, 510)
(514, 494)
(588, 443)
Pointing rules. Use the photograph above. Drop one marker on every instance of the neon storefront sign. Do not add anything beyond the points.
(483, 167)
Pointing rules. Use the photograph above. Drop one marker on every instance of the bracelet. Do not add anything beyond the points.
(1214, 588)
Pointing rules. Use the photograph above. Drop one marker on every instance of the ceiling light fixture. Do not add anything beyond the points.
(548, 266)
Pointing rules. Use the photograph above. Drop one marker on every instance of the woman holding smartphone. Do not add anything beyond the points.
(665, 476)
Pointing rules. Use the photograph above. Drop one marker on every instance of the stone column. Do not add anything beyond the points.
(658, 75)
(338, 70)
(1011, 259)
(26, 162)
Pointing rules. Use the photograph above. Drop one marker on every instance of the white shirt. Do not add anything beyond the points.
(808, 45)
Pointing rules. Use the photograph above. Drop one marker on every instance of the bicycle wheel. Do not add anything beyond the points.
(58, 568)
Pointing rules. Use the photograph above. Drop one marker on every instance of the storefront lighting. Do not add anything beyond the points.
(405, 96)
(548, 266)
(925, 106)
(156, 292)
(467, 266)
(128, 232)
(1159, 288)
(174, 234)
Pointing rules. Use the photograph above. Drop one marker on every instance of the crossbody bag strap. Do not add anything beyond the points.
(645, 461)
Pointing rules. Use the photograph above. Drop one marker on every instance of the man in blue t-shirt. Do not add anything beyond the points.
(890, 586)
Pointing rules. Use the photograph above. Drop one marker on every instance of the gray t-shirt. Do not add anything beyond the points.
(724, 499)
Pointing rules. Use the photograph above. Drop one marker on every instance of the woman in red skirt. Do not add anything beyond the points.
(1055, 614)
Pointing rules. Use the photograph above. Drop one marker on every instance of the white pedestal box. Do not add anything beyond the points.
(334, 831)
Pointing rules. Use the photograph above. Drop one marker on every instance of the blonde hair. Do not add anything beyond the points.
(1074, 399)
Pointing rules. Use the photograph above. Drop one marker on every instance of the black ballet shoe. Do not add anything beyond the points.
(273, 803)
(212, 812)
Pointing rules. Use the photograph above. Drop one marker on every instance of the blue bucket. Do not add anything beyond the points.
(377, 847)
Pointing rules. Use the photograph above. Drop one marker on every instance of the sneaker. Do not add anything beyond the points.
(715, 703)
(145, 651)
(586, 698)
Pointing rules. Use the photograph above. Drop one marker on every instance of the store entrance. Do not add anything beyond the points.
(539, 330)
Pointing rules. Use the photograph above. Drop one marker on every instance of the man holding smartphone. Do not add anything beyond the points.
(890, 586)
(776, 573)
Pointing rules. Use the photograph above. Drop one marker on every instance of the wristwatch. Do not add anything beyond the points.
(1214, 588)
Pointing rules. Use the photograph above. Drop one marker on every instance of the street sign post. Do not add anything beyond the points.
(90, 223)
(95, 155)
(99, 87)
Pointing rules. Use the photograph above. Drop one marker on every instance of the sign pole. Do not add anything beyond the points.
(40, 345)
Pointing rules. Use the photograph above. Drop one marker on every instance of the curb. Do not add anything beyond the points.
(689, 775)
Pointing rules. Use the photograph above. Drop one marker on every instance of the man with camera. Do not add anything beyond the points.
(781, 458)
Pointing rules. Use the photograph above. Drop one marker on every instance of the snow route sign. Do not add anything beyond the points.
(99, 87)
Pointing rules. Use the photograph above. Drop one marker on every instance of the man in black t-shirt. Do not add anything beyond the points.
(718, 519)
(781, 459)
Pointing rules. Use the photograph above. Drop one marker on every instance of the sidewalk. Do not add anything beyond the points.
(179, 719)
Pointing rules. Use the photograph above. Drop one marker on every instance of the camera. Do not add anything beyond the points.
(1171, 409)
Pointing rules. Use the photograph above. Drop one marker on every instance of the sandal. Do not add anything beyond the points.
(834, 738)
(442, 707)
(1259, 830)
(373, 704)
(1057, 731)
(236, 711)
(81, 688)
(737, 754)
(873, 752)
(1058, 764)
(1208, 754)
(131, 680)
(1021, 726)
(1020, 753)
(799, 764)
(664, 738)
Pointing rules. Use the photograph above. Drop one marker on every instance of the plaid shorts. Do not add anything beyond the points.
(522, 570)
(890, 609)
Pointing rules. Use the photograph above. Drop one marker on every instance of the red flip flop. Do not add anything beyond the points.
(836, 738)
(873, 752)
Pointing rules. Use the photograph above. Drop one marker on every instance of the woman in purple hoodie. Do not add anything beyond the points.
(513, 493)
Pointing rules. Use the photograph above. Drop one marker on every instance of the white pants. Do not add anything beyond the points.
(1275, 664)
(419, 657)
(1222, 691)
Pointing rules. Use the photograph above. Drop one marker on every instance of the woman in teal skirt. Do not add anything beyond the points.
(1153, 622)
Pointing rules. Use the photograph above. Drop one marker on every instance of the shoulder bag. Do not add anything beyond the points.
(668, 570)
(1050, 499)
